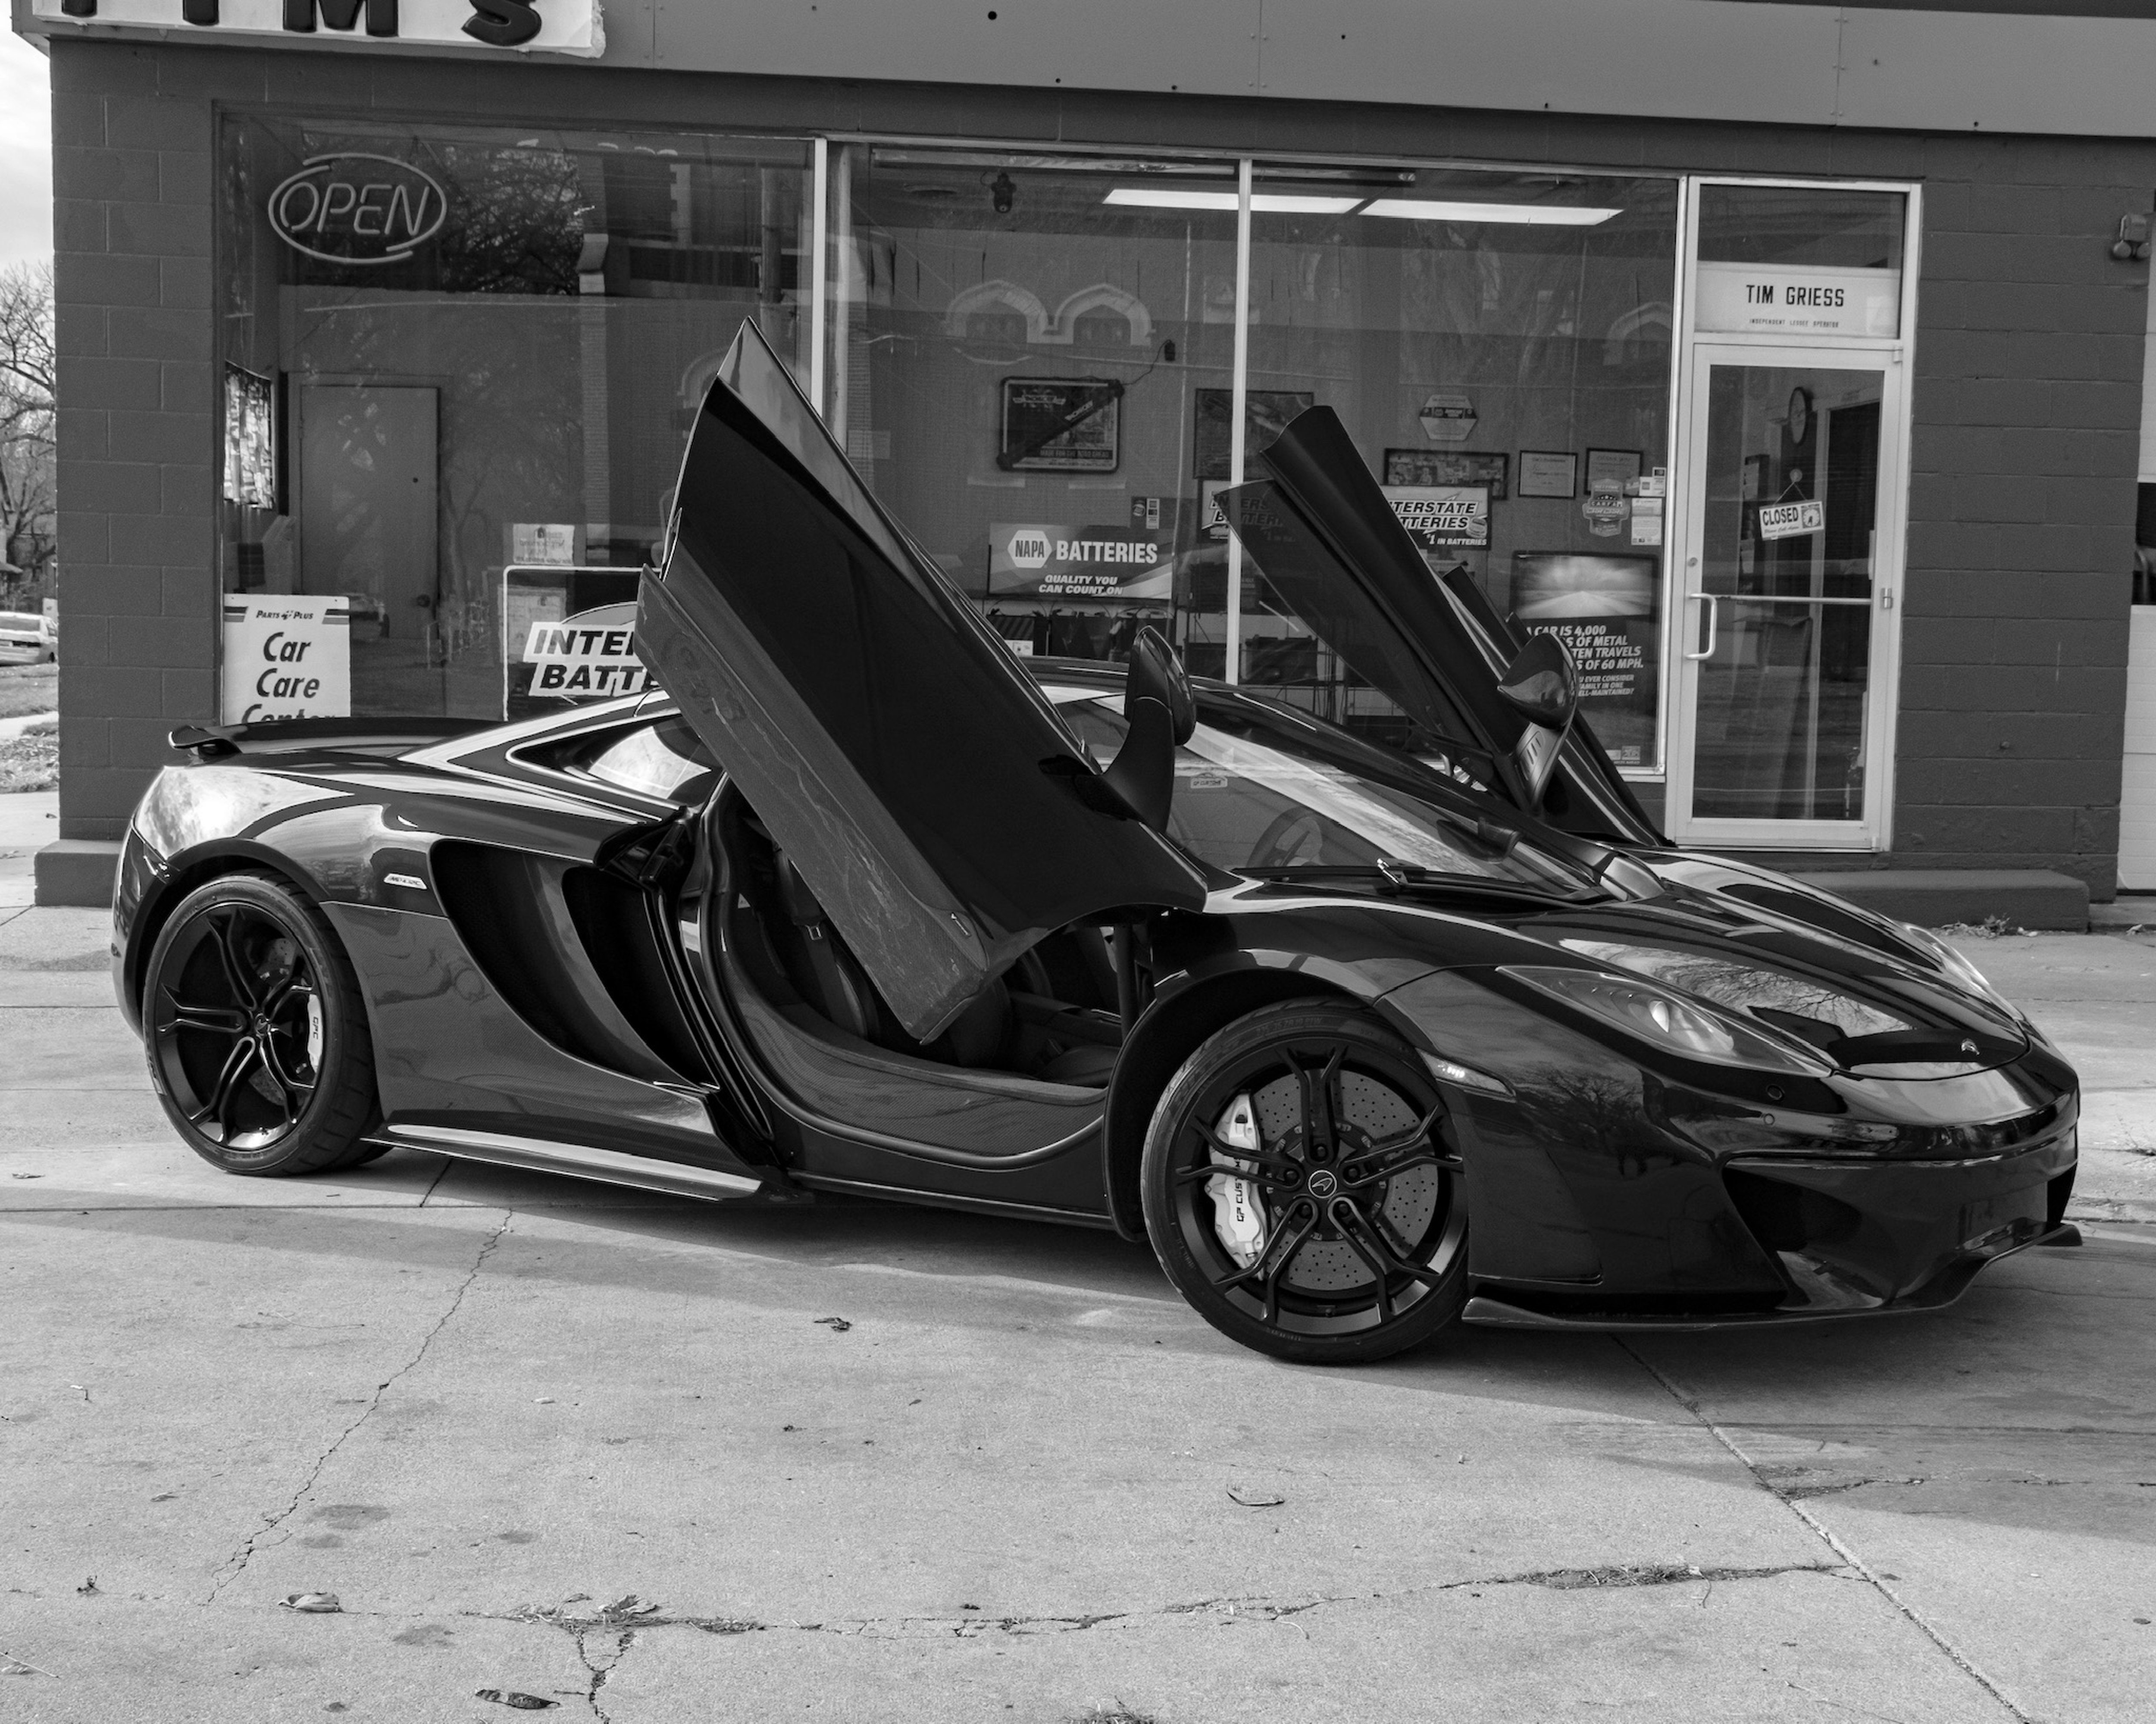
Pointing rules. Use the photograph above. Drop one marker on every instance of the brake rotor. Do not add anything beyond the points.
(1370, 1112)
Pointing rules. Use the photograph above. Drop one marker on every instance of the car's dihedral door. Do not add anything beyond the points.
(1323, 535)
(943, 813)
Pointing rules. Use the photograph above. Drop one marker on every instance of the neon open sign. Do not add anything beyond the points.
(357, 208)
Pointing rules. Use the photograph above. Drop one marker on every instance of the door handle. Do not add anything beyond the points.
(1713, 624)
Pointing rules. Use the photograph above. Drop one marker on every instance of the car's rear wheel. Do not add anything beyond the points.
(1301, 1191)
(256, 1033)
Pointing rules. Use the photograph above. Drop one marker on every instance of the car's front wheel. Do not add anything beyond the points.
(1301, 1191)
(256, 1034)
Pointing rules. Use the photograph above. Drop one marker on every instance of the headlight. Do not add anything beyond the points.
(1947, 959)
(1654, 1014)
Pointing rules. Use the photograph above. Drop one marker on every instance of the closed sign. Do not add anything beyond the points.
(1791, 520)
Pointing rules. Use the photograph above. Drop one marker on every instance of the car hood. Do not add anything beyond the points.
(1876, 999)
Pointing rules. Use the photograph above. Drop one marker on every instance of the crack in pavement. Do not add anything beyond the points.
(623, 1638)
(1826, 1536)
(236, 1564)
(1647, 1574)
(629, 1617)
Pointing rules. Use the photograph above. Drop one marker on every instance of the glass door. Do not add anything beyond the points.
(1790, 565)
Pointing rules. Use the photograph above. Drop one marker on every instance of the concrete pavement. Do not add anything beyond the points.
(603, 1449)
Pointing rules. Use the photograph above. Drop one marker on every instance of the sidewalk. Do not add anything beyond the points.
(29, 820)
(611, 1450)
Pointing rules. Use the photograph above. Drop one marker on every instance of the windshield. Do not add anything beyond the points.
(1254, 794)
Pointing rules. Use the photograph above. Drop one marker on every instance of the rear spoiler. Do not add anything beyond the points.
(219, 741)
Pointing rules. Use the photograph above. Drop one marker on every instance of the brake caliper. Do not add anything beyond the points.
(1238, 1213)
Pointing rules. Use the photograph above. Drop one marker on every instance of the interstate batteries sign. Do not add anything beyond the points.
(1438, 516)
(1054, 560)
(571, 27)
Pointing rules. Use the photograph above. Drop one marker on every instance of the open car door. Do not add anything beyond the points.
(1328, 544)
(944, 815)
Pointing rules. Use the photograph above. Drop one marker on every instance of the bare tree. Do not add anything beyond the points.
(28, 475)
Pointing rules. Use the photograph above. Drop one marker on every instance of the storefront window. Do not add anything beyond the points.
(1499, 347)
(1030, 359)
(460, 364)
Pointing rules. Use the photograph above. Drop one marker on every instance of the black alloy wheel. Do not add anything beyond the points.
(256, 1033)
(1301, 1190)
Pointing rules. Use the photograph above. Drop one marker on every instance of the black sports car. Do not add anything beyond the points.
(1361, 1038)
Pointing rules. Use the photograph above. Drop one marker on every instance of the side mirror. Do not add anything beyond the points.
(1161, 714)
(1541, 683)
(1542, 686)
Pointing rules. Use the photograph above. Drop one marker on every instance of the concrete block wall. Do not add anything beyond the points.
(2026, 451)
(133, 242)
(2026, 396)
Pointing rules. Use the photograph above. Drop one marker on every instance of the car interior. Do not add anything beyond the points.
(1052, 1017)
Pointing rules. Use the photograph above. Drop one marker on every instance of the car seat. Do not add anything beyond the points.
(988, 1033)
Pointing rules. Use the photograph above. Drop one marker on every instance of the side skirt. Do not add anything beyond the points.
(942, 1200)
(609, 1166)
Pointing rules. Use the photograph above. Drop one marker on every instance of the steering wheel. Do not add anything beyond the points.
(1292, 832)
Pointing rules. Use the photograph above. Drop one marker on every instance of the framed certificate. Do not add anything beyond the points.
(1547, 474)
(1611, 469)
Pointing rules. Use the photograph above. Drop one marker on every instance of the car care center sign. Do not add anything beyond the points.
(286, 656)
(572, 27)
(1053, 559)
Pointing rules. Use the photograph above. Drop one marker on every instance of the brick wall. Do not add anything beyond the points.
(2026, 397)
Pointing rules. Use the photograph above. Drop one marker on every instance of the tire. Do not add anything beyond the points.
(256, 1034)
(1377, 1214)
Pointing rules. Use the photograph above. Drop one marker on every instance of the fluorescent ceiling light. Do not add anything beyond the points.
(1549, 215)
(1264, 203)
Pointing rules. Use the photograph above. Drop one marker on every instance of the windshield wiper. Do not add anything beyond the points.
(1397, 876)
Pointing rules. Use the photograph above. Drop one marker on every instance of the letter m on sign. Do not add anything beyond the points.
(342, 15)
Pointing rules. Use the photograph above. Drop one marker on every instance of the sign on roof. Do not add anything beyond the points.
(571, 27)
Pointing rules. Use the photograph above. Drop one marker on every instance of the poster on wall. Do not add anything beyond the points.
(1441, 516)
(1444, 466)
(250, 439)
(1605, 608)
(567, 635)
(285, 656)
(1055, 559)
(1266, 412)
(1060, 425)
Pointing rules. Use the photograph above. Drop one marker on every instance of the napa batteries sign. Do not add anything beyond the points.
(572, 27)
(286, 656)
(1048, 560)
